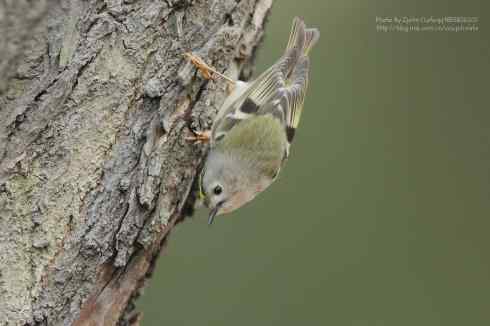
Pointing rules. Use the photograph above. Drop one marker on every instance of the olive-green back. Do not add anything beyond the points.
(259, 141)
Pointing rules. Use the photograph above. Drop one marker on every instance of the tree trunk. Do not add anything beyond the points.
(96, 101)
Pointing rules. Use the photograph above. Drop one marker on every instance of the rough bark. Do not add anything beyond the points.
(96, 100)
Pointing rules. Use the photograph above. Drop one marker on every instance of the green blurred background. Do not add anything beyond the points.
(381, 216)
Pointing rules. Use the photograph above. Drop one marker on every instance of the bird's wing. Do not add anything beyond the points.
(250, 102)
(295, 69)
(292, 96)
(279, 91)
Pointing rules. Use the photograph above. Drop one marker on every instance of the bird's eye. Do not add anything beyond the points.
(218, 190)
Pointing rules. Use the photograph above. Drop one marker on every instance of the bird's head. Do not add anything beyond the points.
(226, 184)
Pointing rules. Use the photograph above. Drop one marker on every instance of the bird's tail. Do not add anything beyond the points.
(302, 38)
(295, 68)
(312, 36)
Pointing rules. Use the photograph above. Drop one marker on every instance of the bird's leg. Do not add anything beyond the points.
(203, 137)
(200, 137)
(205, 69)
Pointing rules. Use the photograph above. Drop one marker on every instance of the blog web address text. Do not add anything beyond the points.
(426, 24)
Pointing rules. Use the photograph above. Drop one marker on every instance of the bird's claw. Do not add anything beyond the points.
(200, 137)
(204, 69)
(207, 71)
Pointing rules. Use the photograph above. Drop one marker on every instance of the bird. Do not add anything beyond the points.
(251, 135)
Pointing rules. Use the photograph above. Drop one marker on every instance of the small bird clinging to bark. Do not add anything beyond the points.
(253, 130)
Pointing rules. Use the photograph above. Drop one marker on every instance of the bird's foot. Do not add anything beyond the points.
(207, 71)
(200, 137)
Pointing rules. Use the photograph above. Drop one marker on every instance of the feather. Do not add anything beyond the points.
(297, 34)
(279, 91)
(251, 102)
(312, 37)
(295, 92)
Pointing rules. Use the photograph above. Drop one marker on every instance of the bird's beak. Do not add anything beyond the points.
(213, 213)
